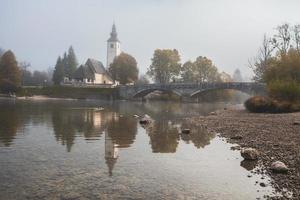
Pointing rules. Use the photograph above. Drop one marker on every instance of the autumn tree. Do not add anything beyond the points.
(10, 75)
(188, 72)
(58, 74)
(201, 70)
(165, 65)
(124, 69)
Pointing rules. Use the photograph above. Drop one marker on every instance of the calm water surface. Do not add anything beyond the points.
(70, 150)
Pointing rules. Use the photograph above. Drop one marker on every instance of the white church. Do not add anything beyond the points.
(93, 71)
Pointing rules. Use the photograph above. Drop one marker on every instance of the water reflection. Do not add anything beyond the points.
(165, 135)
(111, 153)
(44, 157)
(9, 124)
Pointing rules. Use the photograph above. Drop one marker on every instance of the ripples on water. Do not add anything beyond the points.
(71, 150)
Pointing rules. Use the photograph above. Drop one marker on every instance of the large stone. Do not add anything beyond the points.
(279, 167)
(249, 154)
(296, 123)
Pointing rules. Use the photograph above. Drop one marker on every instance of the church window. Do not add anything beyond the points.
(111, 45)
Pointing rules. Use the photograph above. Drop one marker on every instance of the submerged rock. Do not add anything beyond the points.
(296, 123)
(212, 113)
(146, 120)
(249, 154)
(279, 167)
(185, 131)
(236, 137)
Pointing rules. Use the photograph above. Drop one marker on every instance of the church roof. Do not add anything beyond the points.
(83, 72)
(96, 66)
(113, 35)
(89, 69)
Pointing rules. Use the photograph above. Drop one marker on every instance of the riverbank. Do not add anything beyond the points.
(276, 136)
(67, 92)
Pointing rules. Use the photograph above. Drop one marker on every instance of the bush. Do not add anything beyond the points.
(260, 104)
(284, 90)
(7, 86)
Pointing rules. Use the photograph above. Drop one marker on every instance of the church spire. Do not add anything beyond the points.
(113, 34)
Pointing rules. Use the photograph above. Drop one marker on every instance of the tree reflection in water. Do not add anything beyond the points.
(68, 124)
(9, 123)
(165, 135)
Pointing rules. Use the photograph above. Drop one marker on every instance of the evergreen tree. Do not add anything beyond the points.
(65, 63)
(9, 71)
(71, 63)
(58, 73)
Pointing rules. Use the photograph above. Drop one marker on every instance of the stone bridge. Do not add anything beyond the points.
(189, 90)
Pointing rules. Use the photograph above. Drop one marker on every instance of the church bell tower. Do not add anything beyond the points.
(113, 46)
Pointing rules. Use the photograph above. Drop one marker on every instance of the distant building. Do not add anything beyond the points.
(92, 72)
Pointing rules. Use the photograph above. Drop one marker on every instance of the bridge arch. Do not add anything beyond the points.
(204, 91)
(145, 92)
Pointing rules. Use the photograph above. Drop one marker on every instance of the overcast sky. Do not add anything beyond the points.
(227, 31)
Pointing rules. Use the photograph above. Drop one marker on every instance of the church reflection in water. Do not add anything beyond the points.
(111, 153)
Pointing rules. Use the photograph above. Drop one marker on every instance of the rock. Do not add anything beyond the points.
(262, 184)
(296, 123)
(212, 113)
(279, 167)
(146, 120)
(249, 154)
(185, 131)
(136, 116)
(236, 137)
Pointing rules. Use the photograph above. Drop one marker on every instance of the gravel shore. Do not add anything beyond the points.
(275, 136)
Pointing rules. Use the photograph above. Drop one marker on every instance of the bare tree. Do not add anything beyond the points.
(25, 73)
(262, 59)
(282, 40)
(296, 31)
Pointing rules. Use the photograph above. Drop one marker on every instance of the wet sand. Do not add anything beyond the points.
(276, 136)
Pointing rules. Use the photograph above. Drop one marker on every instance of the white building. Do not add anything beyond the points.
(113, 46)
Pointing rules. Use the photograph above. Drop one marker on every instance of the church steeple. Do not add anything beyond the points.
(113, 34)
(113, 46)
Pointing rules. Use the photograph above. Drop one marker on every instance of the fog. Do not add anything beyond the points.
(227, 31)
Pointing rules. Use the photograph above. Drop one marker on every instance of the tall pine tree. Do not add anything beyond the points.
(65, 64)
(9, 70)
(58, 74)
(71, 62)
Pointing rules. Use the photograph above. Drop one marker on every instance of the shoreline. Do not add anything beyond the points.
(275, 136)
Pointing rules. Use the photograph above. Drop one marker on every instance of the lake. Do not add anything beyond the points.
(69, 149)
